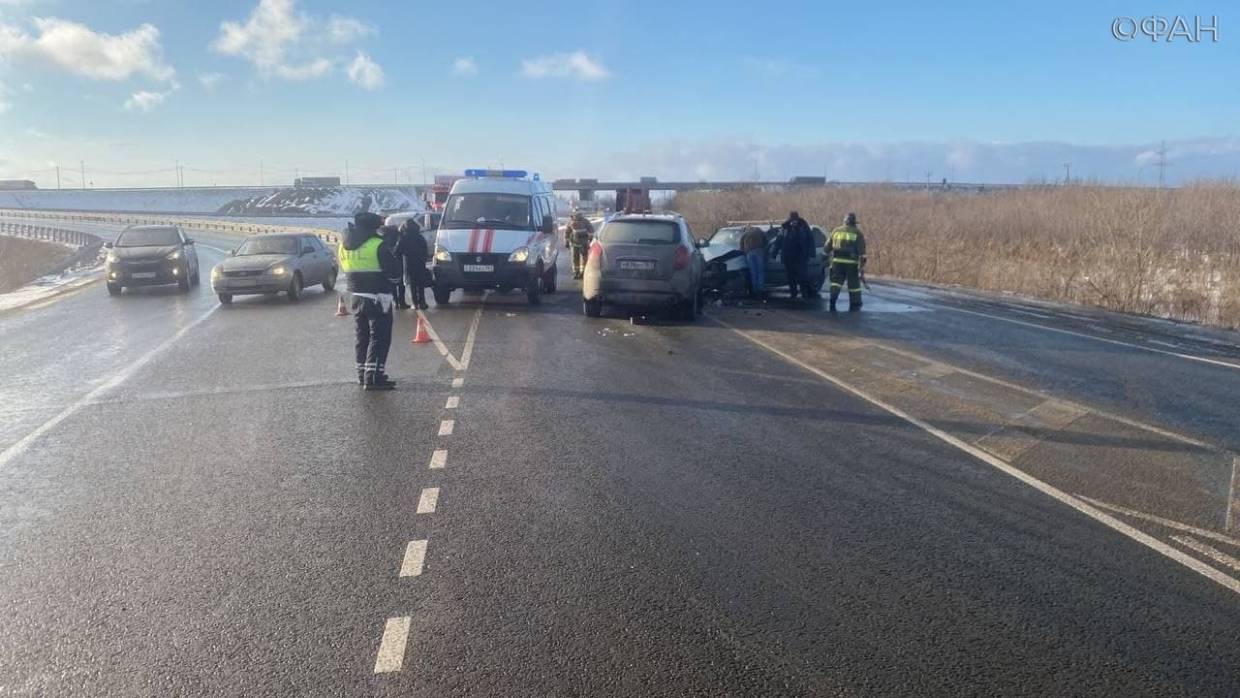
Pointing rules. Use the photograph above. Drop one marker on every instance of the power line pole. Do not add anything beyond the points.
(1162, 165)
(1067, 173)
(83, 164)
(178, 173)
(58, 176)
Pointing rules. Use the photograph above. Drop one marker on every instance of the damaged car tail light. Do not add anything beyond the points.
(682, 258)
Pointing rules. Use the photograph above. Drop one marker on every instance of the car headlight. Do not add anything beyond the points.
(442, 255)
(174, 256)
(519, 255)
(279, 270)
(112, 258)
(215, 272)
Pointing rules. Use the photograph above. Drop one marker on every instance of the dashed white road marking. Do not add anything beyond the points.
(439, 459)
(428, 501)
(1107, 340)
(445, 427)
(392, 646)
(458, 382)
(415, 555)
(1049, 490)
(119, 377)
(453, 403)
(1209, 551)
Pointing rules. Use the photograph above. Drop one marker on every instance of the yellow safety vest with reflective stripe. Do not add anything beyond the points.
(844, 244)
(363, 259)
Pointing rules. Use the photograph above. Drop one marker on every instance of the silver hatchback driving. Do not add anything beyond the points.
(273, 264)
(647, 261)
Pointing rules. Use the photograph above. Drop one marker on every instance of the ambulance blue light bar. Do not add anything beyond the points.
(506, 174)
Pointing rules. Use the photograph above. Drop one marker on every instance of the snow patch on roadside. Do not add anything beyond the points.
(46, 287)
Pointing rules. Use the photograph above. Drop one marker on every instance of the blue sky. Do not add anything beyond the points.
(978, 91)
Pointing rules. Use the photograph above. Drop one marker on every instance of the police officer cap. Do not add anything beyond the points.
(368, 221)
(850, 219)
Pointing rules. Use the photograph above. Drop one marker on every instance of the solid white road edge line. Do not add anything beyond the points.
(439, 344)
(1165, 523)
(1190, 357)
(428, 501)
(392, 646)
(121, 376)
(1233, 495)
(453, 403)
(445, 427)
(1102, 517)
(439, 459)
(415, 555)
(1209, 551)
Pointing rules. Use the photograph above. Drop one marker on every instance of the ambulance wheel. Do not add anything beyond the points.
(549, 279)
(533, 290)
(592, 308)
(225, 298)
(442, 294)
(114, 289)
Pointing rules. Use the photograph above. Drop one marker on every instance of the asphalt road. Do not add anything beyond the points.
(197, 500)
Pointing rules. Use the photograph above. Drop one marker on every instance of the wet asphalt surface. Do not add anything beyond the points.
(197, 500)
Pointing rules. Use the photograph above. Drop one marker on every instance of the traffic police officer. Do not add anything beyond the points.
(580, 234)
(371, 272)
(847, 249)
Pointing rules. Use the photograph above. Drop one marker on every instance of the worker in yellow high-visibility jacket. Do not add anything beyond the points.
(371, 272)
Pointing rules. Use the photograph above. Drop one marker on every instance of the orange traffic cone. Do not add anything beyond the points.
(341, 311)
(421, 336)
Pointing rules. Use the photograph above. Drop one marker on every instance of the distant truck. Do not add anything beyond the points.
(17, 185)
(315, 182)
(633, 200)
(438, 194)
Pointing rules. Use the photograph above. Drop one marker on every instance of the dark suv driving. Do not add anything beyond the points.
(151, 255)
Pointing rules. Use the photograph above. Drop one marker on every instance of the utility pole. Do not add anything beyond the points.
(396, 176)
(178, 173)
(260, 173)
(1067, 173)
(83, 164)
(346, 176)
(1162, 165)
(423, 171)
(58, 176)
(928, 174)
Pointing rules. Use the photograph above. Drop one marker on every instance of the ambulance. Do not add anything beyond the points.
(497, 232)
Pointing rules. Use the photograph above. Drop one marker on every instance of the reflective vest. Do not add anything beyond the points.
(361, 260)
(844, 244)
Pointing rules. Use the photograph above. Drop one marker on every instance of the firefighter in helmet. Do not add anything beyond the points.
(847, 249)
(579, 235)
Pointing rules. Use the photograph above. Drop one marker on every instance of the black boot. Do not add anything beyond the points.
(361, 377)
(377, 381)
(854, 307)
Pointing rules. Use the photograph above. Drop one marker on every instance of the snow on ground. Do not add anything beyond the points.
(229, 201)
(51, 285)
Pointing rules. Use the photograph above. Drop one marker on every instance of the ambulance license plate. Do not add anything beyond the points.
(479, 268)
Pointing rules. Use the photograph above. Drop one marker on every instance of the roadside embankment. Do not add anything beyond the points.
(23, 261)
(1167, 253)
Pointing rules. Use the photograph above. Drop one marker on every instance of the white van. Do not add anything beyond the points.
(497, 232)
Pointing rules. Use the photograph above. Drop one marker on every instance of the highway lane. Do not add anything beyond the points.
(634, 510)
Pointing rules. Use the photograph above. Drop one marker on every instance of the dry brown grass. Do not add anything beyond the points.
(22, 261)
(1170, 253)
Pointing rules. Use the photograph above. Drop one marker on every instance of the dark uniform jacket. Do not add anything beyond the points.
(798, 243)
(412, 247)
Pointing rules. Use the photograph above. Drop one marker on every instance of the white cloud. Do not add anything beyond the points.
(282, 42)
(145, 100)
(464, 66)
(77, 49)
(346, 30)
(577, 65)
(365, 72)
(209, 81)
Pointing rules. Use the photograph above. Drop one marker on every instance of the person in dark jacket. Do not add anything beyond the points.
(798, 245)
(412, 249)
(370, 270)
(391, 238)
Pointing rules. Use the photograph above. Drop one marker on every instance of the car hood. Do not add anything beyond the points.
(254, 262)
(721, 252)
(151, 252)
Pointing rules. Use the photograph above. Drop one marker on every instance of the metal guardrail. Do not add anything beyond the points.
(46, 234)
(195, 223)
